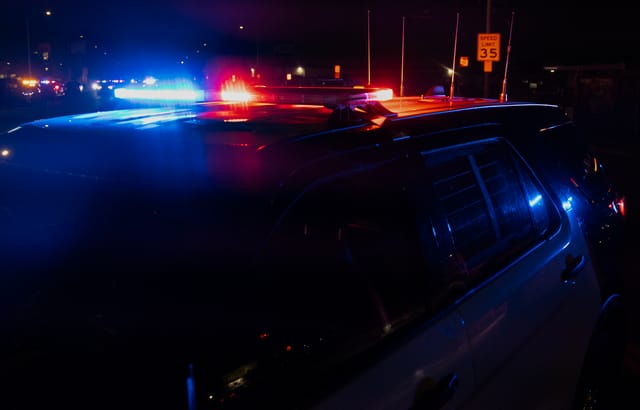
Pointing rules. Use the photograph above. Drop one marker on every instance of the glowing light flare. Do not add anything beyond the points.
(159, 94)
(535, 201)
(618, 206)
(384, 94)
(235, 91)
(30, 82)
(5, 153)
(149, 80)
(567, 204)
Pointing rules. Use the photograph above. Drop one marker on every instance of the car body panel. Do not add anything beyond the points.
(179, 238)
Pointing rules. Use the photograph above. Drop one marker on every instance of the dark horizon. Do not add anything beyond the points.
(121, 38)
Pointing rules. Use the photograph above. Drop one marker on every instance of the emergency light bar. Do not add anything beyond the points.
(332, 97)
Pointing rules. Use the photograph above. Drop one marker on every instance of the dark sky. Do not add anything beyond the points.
(324, 32)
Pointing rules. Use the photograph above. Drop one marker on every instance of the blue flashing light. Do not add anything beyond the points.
(160, 94)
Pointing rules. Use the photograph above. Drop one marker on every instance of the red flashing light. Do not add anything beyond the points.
(621, 206)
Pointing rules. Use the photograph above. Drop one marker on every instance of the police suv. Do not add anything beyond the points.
(306, 247)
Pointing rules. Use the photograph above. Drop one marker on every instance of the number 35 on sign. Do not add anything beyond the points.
(488, 46)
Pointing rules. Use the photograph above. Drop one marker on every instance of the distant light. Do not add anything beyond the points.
(29, 82)
(5, 152)
(241, 27)
(300, 70)
(149, 80)
(47, 12)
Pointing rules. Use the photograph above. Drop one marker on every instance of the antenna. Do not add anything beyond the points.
(402, 62)
(503, 93)
(453, 66)
(368, 47)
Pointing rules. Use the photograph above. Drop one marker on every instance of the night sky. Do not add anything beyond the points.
(146, 33)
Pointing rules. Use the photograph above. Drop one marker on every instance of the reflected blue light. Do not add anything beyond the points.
(191, 389)
(533, 202)
(567, 205)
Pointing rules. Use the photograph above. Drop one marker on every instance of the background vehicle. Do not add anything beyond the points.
(340, 254)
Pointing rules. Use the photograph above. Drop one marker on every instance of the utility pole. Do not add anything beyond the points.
(485, 93)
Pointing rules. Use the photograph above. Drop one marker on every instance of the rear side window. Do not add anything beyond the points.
(354, 234)
(487, 208)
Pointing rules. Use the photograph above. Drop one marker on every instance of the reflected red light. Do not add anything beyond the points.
(288, 348)
(264, 336)
(621, 206)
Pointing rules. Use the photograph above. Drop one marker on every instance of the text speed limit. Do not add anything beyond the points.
(489, 47)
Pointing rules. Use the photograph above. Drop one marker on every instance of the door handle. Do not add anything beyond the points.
(573, 265)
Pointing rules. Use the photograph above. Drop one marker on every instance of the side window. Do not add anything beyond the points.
(351, 238)
(488, 209)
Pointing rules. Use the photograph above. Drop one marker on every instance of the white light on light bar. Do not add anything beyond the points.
(159, 94)
(235, 96)
(383, 95)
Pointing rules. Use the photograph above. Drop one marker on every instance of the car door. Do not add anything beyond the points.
(410, 352)
(527, 291)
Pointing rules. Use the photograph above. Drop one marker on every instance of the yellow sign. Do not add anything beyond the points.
(464, 61)
(488, 66)
(488, 46)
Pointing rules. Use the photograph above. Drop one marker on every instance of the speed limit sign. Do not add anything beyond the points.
(489, 47)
